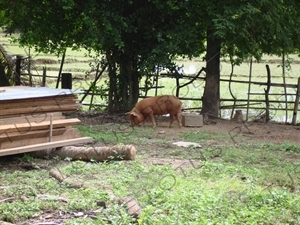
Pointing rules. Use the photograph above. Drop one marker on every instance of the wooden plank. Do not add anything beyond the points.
(38, 147)
(31, 118)
(40, 109)
(25, 127)
(70, 133)
(40, 99)
(31, 134)
(296, 106)
(13, 87)
(37, 103)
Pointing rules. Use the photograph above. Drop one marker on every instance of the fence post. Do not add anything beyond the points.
(18, 70)
(29, 68)
(284, 86)
(267, 94)
(296, 103)
(66, 81)
(44, 77)
(61, 67)
(249, 89)
(93, 91)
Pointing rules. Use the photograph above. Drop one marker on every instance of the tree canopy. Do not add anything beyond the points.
(136, 35)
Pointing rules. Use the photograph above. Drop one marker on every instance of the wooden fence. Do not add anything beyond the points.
(263, 105)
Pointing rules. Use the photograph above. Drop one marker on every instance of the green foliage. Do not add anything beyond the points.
(136, 36)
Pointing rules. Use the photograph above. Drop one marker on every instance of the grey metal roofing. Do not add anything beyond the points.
(12, 93)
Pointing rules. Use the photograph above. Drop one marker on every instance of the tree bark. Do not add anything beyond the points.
(211, 96)
(124, 83)
(100, 154)
(3, 78)
(112, 81)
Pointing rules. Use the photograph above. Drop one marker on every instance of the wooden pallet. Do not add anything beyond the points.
(34, 121)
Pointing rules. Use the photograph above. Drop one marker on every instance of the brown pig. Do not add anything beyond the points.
(158, 105)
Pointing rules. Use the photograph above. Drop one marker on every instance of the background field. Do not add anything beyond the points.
(79, 64)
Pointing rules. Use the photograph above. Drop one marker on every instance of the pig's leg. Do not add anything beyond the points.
(179, 118)
(144, 120)
(171, 119)
(152, 119)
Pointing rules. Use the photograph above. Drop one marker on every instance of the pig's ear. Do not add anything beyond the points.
(133, 114)
(127, 113)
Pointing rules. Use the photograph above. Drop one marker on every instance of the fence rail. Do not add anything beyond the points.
(225, 103)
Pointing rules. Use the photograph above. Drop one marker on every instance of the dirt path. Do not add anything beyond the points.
(253, 131)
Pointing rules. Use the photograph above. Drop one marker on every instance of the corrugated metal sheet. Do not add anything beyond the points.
(12, 93)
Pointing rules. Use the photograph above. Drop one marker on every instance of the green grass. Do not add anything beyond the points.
(238, 184)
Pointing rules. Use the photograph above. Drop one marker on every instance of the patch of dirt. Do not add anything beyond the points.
(58, 217)
(252, 131)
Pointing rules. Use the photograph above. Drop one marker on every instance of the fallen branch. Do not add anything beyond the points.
(62, 178)
(6, 223)
(7, 200)
(116, 152)
(52, 197)
(131, 204)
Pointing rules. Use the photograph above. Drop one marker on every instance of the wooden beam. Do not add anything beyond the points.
(26, 127)
(40, 99)
(31, 118)
(30, 134)
(40, 109)
(70, 133)
(296, 106)
(37, 102)
(38, 147)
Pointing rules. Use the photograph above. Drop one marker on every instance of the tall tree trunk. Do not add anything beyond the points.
(3, 78)
(123, 83)
(134, 84)
(211, 96)
(112, 81)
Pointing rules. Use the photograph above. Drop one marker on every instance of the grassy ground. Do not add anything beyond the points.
(220, 183)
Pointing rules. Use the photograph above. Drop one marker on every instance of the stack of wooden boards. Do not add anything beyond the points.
(31, 119)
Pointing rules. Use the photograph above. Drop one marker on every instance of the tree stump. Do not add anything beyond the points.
(238, 117)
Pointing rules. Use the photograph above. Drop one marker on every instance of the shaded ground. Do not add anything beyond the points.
(254, 131)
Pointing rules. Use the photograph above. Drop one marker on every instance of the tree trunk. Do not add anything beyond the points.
(112, 82)
(211, 96)
(3, 78)
(134, 84)
(124, 86)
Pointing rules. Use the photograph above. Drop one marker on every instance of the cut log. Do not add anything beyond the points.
(238, 117)
(26, 127)
(37, 147)
(131, 204)
(126, 152)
